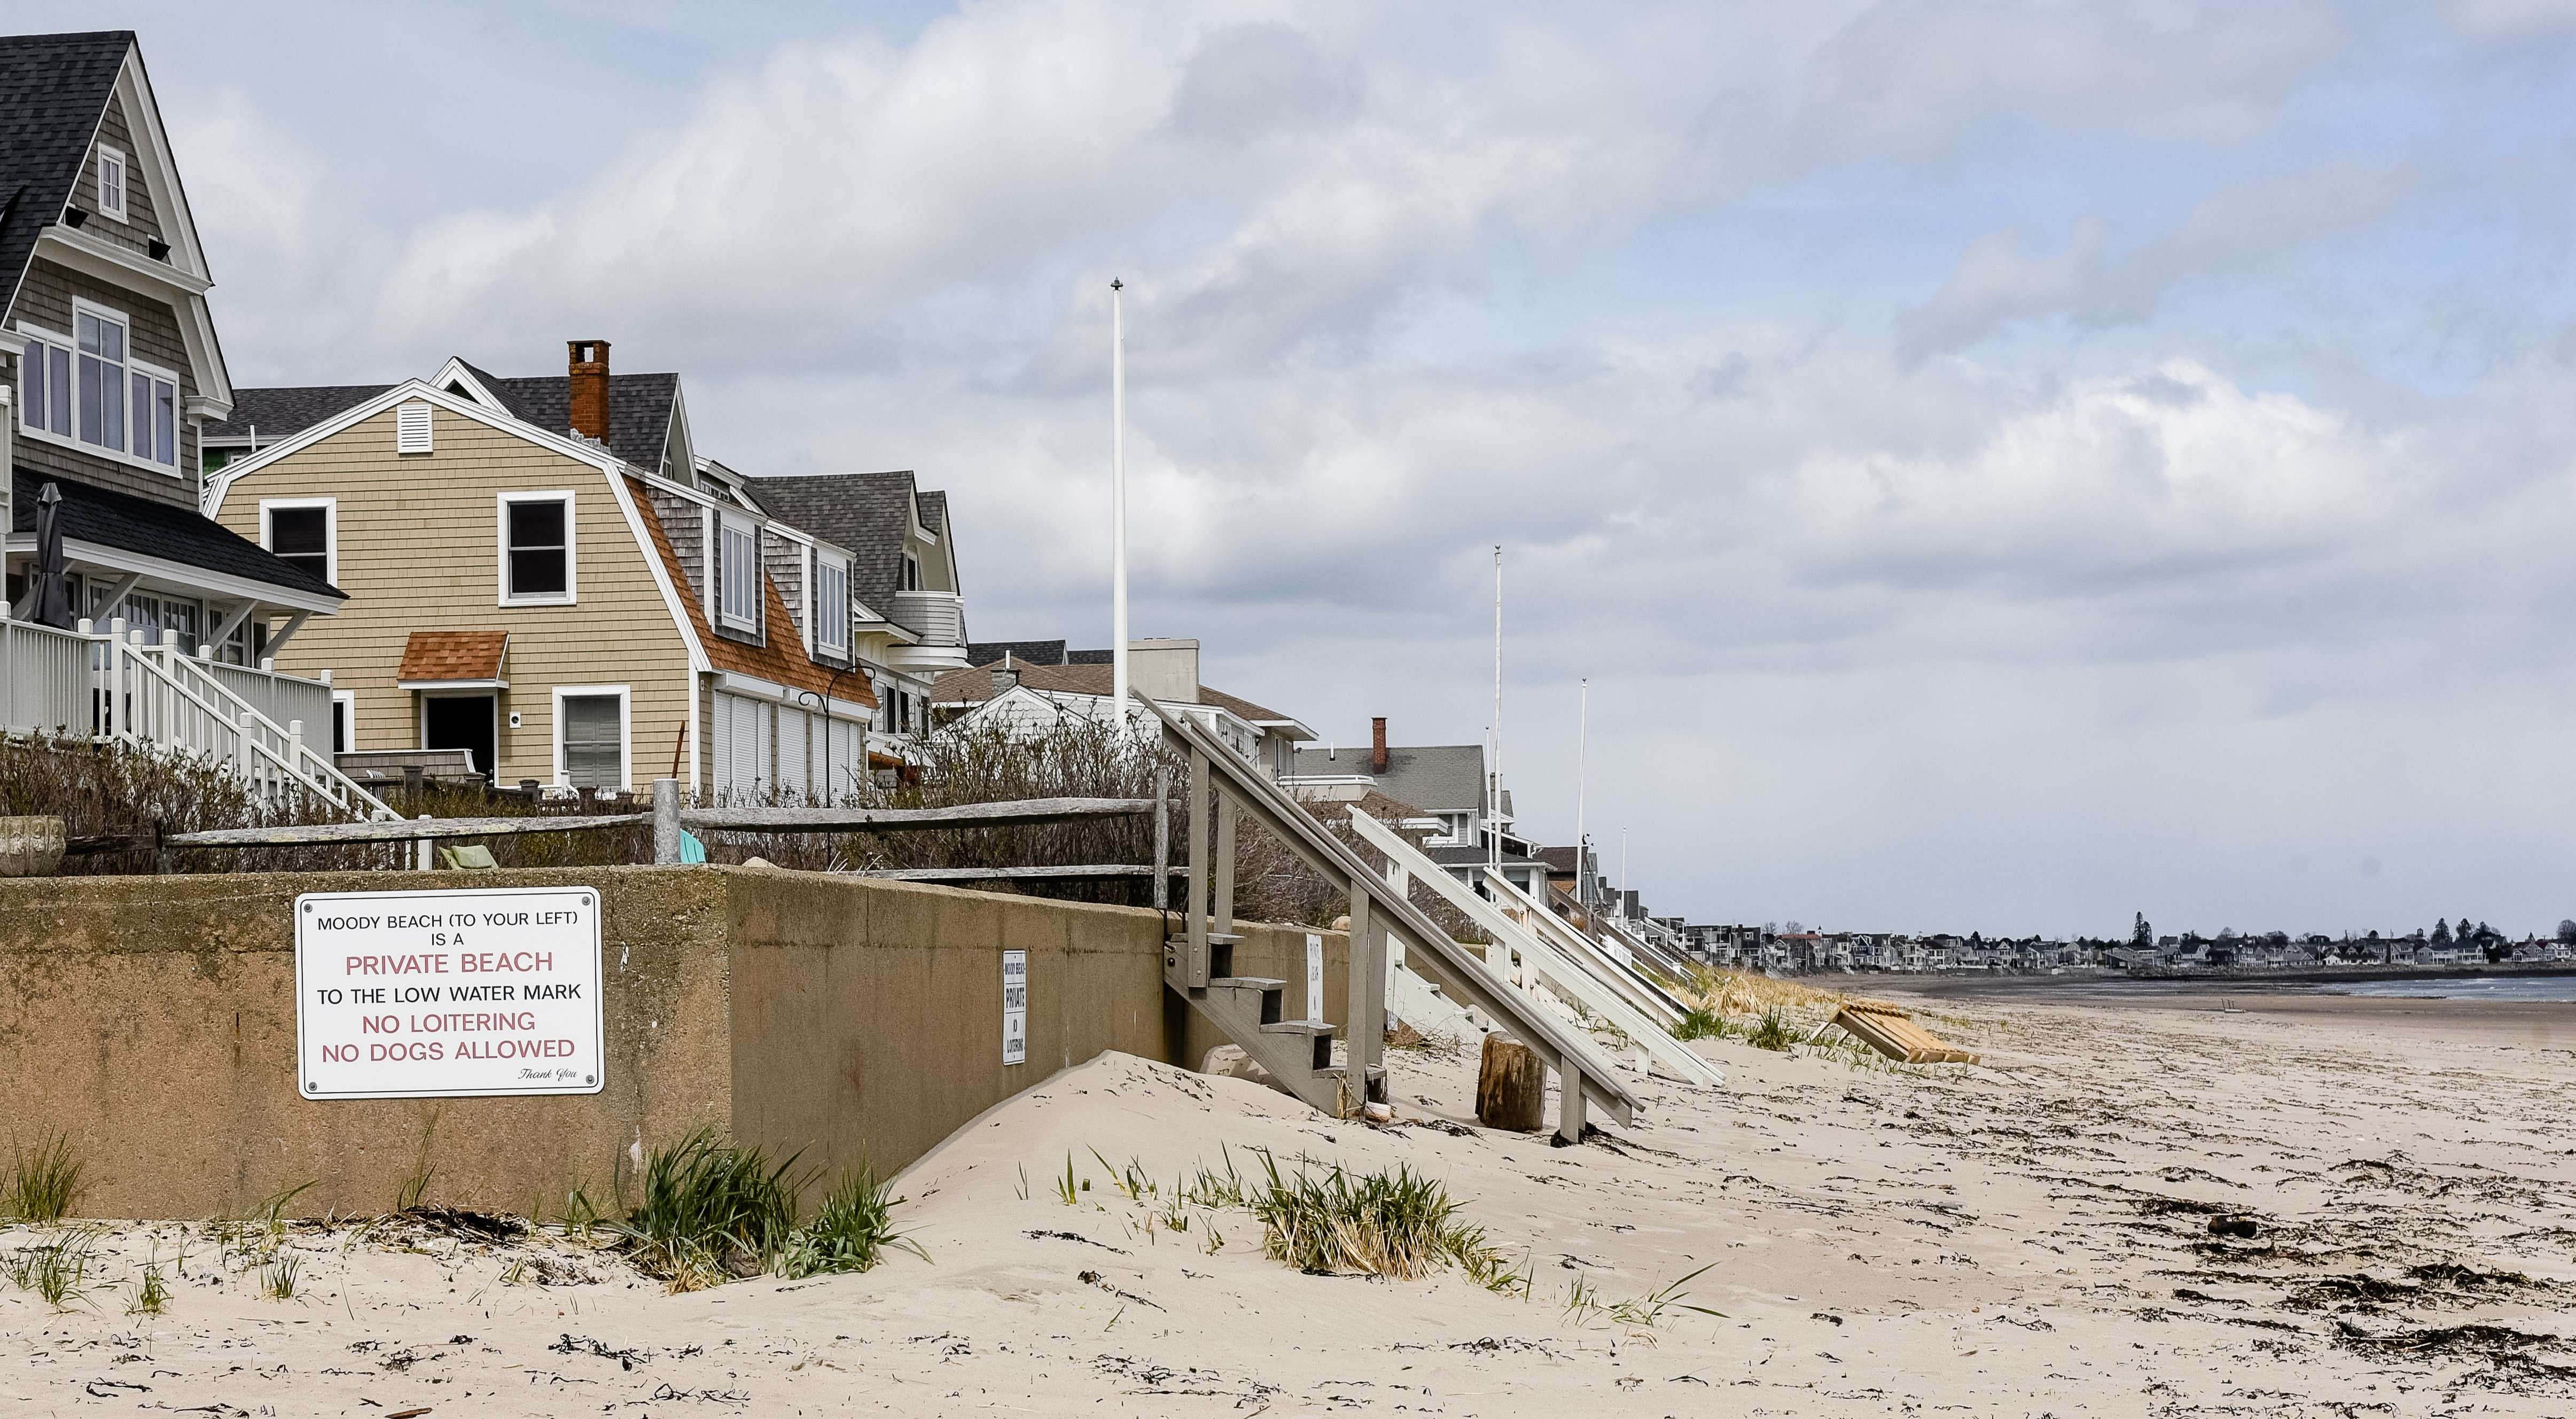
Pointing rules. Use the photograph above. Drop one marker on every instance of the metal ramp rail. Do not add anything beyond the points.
(1198, 964)
(1567, 973)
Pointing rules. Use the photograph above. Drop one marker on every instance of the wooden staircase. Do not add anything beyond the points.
(1251, 1011)
(1198, 962)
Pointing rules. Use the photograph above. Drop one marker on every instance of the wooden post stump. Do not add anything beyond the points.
(1511, 1087)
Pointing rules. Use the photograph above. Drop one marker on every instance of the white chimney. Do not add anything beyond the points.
(1166, 670)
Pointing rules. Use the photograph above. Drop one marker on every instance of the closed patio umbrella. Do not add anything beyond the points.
(53, 606)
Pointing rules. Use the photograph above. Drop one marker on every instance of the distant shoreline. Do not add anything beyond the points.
(2100, 975)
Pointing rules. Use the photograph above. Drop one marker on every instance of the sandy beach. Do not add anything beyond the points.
(2312, 1205)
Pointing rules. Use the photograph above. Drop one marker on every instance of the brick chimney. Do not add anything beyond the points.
(1377, 745)
(589, 368)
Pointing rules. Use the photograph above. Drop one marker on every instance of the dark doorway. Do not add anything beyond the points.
(467, 722)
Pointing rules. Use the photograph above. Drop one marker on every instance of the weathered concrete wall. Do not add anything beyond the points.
(151, 1021)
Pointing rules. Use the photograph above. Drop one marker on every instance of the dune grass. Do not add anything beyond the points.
(1397, 1224)
(712, 1211)
(44, 1182)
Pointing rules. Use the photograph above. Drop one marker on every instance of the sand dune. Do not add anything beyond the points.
(2129, 1211)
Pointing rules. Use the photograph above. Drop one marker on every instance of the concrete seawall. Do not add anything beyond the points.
(151, 1022)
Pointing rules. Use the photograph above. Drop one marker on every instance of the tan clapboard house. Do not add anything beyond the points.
(544, 573)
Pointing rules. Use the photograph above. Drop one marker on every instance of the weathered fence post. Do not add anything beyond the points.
(1162, 837)
(666, 822)
(427, 854)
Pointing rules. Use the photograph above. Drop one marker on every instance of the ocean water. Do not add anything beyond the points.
(2467, 988)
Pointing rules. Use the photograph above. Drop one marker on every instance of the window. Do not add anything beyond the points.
(89, 389)
(111, 183)
(831, 604)
(536, 549)
(344, 721)
(303, 535)
(911, 572)
(590, 736)
(411, 429)
(738, 574)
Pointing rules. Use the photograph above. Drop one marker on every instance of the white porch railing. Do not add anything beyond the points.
(113, 686)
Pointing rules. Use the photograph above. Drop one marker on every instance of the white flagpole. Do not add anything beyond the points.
(1582, 742)
(1117, 504)
(1494, 850)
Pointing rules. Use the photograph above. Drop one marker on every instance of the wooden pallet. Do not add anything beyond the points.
(1885, 1029)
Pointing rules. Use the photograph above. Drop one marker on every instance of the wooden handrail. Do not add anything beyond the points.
(1009, 813)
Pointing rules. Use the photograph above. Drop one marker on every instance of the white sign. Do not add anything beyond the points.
(447, 994)
(1314, 978)
(1015, 1007)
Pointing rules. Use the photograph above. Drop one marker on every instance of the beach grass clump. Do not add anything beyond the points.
(850, 1231)
(44, 1182)
(710, 1211)
(713, 1211)
(1396, 1224)
(151, 1293)
(1773, 1031)
(279, 1275)
(1701, 1023)
(56, 1269)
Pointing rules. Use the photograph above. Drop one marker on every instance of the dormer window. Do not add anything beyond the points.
(111, 183)
(737, 573)
(831, 604)
(911, 572)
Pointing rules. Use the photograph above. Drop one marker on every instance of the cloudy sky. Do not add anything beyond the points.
(2001, 466)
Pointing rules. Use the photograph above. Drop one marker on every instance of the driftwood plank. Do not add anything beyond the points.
(896, 820)
(1007, 874)
(336, 834)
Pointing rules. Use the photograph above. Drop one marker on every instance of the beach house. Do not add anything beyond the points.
(544, 573)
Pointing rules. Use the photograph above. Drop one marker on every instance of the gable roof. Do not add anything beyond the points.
(275, 414)
(639, 409)
(53, 92)
(157, 529)
(782, 659)
(977, 683)
(870, 514)
(1443, 778)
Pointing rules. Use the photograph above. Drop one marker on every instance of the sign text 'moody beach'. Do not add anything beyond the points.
(534, 951)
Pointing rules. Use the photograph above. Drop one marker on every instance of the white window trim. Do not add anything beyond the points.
(330, 529)
(124, 182)
(571, 595)
(625, 732)
(178, 466)
(725, 613)
(911, 572)
(815, 614)
(347, 702)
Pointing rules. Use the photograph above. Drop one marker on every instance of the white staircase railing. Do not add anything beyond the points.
(111, 685)
(274, 743)
(1645, 1016)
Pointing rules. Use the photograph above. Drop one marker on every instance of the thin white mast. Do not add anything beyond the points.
(1117, 504)
(1582, 741)
(1494, 843)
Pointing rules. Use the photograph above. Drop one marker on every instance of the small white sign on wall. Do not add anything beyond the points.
(448, 994)
(1314, 978)
(1015, 1007)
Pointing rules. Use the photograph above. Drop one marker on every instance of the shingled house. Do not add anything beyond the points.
(109, 348)
(1014, 692)
(545, 573)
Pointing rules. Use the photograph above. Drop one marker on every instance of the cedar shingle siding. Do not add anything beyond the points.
(143, 220)
(420, 550)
